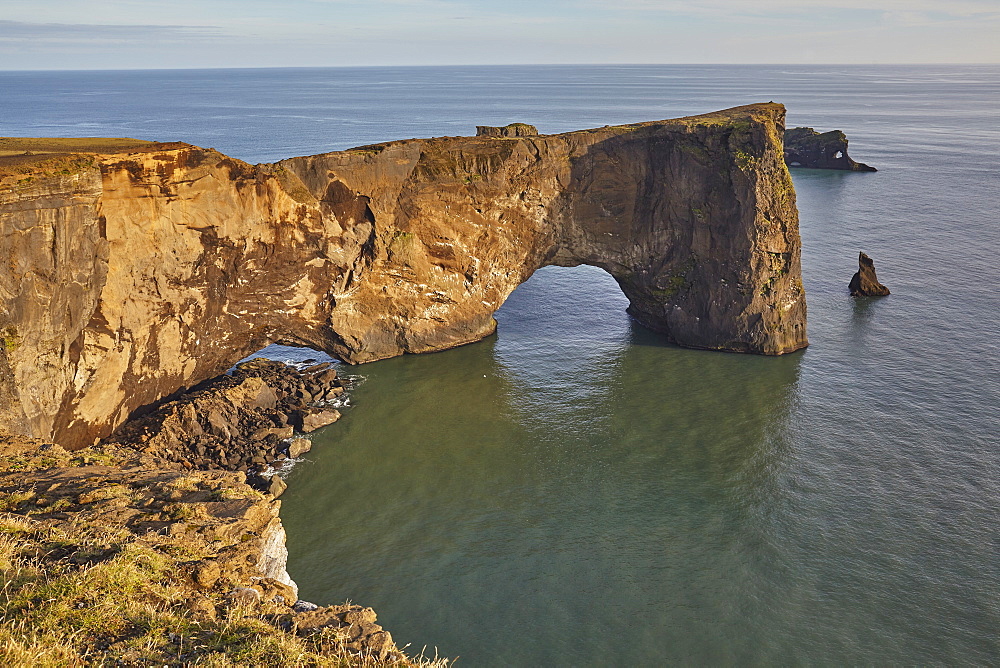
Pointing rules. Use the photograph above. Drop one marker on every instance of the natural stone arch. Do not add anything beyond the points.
(179, 261)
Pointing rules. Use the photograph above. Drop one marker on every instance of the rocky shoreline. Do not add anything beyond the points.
(192, 487)
(244, 421)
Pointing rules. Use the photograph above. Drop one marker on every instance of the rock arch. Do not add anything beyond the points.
(146, 270)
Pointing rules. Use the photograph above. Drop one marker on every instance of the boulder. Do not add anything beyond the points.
(313, 419)
(316, 368)
(206, 574)
(327, 377)
(218, 424)
(865, 283)
(277, 486)
(298, 447)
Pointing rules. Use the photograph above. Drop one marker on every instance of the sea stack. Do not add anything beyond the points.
(865, 282)
(804, 147)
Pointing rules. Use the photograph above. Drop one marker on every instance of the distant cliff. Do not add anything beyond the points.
(804, 147)
(132, 271)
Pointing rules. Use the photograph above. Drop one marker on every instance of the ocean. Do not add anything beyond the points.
(576, 491)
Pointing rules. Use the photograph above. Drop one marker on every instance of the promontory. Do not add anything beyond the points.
(133, 270)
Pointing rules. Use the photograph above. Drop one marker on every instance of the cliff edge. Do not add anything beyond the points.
(132, 271)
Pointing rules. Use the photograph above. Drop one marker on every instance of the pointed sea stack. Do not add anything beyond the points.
(865, 282)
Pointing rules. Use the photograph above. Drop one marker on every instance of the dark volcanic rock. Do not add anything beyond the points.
(865, 283)
(804, 147)
(229, 421)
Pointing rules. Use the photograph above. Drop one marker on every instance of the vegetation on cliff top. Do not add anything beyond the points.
(113, 557)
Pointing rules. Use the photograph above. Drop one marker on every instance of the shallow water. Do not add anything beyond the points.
(573, 491)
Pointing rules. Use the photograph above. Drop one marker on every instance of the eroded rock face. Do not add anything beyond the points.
(148, 270)
(804, 147)
(511, 130)
(865, 283)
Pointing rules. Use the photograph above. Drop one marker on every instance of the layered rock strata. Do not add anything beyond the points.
(804, 147)
(511, 130)
(132, 273)
(865, 283)
(244, 421)
(135, 545)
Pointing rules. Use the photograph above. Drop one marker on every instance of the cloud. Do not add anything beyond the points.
(958, 8)
(19, 31)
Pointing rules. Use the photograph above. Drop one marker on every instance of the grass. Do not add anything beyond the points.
(9, 338)
(75, 594)
(13, 146)
(81, 585)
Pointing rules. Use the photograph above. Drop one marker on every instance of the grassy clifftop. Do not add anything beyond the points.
(116, 556)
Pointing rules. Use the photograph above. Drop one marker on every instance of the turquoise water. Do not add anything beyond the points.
(573, 491)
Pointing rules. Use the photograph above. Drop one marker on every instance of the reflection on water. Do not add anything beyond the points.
(560, 471)
(575, 492)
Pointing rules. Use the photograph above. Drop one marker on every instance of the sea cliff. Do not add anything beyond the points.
(134, 271)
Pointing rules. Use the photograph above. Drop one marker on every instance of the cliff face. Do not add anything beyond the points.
(140, 272)
(804, 147)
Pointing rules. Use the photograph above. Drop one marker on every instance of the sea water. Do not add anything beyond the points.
(574, 490)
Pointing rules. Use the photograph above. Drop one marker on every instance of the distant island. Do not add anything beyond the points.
(804, 147)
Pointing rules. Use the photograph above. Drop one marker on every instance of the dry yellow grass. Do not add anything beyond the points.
(129, 608)
(12, 146)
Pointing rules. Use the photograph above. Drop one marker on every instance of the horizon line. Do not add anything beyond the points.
(485, 65)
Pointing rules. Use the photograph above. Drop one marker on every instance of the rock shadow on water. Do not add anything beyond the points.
(553, 472)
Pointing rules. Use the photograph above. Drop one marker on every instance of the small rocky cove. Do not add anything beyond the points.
(182, 503)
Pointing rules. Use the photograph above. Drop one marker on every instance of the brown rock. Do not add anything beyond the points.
(277, 592)
(218, 424)
(206, 574)
(327, 376)
(316, 418)
(865, 283)
(694, 217)
(202, 608)
(280, 433)
(379, 644)
(512, 130)
(359, 615)
(316, 368)
(277, 486)
(298, 447)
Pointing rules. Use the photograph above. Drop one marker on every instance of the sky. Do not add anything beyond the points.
(127, 34)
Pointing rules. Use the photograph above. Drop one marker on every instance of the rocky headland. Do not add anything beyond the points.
(163, 546)
(136, 273)
(804, 147)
